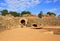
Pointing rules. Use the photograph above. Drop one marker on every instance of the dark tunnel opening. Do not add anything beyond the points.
(23, 22)
(35, 25)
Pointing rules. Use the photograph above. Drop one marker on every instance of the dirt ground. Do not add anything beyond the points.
(28, 34)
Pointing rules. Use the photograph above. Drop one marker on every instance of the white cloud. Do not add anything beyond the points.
(51, 1)
(16, 5)
(55, 1)
(53, 10)
(48, 1)
(2, 4)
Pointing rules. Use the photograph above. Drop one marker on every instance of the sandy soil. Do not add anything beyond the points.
(27, 34)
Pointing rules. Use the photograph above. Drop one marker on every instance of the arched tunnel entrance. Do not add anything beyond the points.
(34, 25)
(23, 22)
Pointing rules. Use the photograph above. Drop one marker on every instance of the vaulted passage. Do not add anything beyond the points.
(35, 25)
(23, 22)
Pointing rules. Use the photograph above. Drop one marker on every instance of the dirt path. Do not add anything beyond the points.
(26, 34)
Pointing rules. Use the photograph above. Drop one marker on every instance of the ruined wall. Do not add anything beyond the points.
(9, 22)
(43, 22)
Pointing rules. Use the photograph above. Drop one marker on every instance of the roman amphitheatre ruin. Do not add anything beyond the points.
(29, 27)
(8, 21)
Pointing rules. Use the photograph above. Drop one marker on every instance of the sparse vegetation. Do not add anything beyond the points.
(25, 12)
(51, 13)
(15, 14)
(4, 12)
(40, 14)
(6, 22)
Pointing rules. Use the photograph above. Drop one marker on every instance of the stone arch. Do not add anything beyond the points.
(23, 21)
(34, 25)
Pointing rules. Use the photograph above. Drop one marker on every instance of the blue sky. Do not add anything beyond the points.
(34, 6)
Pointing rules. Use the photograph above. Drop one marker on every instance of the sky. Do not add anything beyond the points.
(34, 6)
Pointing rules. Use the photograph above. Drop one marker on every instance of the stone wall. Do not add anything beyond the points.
(7, 22)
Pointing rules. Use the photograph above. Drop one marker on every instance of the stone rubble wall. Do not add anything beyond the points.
(7, 22)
